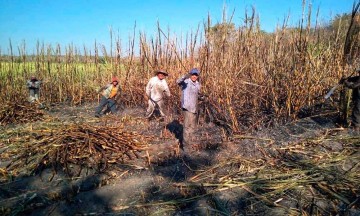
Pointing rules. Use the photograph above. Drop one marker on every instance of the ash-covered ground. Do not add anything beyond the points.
(210, 180)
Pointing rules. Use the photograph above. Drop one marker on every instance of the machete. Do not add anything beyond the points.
(331, 91)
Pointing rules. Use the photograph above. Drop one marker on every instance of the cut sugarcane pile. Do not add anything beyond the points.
(14, 113)
(79, 146)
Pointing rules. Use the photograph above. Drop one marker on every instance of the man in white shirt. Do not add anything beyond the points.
(156, 89)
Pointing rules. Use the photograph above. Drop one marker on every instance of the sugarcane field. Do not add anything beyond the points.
(225, 119)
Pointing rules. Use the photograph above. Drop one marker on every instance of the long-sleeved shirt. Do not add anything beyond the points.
(156, 89)
(33, 85)
(354, 83)
(190, 93)
(111, 91)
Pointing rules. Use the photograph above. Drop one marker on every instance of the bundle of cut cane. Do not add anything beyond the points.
(14, 112)
(77, 146)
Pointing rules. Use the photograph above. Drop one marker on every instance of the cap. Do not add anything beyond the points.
(194, 71)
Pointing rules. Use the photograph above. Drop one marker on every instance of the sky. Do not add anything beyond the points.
(81, 22)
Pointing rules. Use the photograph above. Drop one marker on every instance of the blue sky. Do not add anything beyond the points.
(81, 22)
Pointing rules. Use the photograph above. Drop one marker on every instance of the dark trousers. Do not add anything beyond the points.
(34, 95)
(356, 114)
(111, 104)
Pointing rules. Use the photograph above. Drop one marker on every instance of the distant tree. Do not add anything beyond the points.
(341, 24)
(221, 32)
(220, 35)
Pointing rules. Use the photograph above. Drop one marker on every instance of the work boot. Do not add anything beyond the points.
(355, 131)
(188, 149)
(182, 153)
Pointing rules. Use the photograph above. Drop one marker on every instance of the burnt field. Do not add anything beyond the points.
(69, 162)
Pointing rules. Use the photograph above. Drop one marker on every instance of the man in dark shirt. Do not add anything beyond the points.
(354, 84)
(33, 85)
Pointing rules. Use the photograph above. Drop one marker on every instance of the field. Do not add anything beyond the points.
(268, 143)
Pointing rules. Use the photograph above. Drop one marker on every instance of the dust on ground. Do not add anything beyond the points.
(152, 185)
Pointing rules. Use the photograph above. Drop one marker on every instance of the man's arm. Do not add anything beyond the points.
(167, 90)
(118, 94)
(37, 84)
(102, 89)
(28, 84)
(181, 80)
(148, 88)
(352, 83)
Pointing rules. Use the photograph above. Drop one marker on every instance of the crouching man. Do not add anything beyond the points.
(110, 94)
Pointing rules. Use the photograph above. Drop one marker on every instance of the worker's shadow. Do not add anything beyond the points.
(177, 129)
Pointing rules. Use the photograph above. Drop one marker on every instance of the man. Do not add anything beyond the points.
(110, 94)
(155, 91)
(190, 87)
(34, 88)
(354, 84)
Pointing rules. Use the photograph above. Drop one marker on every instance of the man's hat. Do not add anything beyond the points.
(161, 71)
(114, 79)
(194, 71)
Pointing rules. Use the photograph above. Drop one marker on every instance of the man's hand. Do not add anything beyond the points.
(146, 97)
(117, 97)
(342, 80)
(101, 90)
(187, 76)
(202, 97)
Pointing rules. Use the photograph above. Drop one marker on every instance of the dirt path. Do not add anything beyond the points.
(140, 188)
